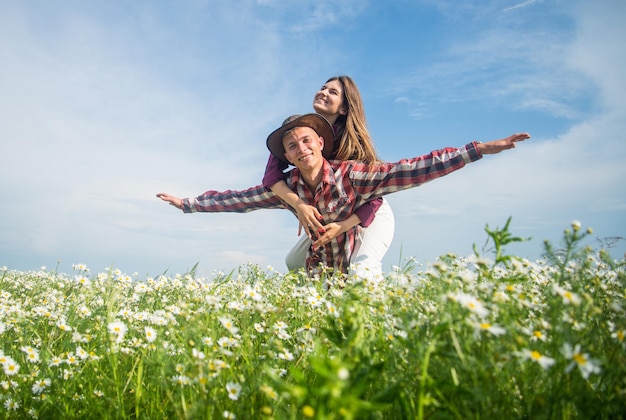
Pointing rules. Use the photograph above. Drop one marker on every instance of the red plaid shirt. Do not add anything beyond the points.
(346, 185)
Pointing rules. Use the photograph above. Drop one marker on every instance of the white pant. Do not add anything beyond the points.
(366, 261)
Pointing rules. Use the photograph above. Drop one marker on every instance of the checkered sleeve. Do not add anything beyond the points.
(255, 198)
(386, 178)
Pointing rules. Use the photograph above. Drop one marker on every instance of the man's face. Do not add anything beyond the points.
(303, 148)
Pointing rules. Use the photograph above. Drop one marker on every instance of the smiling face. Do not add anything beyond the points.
(303, 148)
(329, 102)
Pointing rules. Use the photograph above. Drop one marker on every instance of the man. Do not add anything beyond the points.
(336, 188)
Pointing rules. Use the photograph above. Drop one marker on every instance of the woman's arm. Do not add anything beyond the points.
(274, 180)
(308, 215)
(335, 229)
(367, 211)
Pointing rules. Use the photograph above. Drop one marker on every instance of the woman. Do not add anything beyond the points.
(339, 101)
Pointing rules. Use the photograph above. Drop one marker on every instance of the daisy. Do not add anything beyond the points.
(233, 390)
(585, 364)
(544, 361)
(83, 280)
(280, 325)
(11, 405)
(197, 354)
(490, 328)
(315, 300)
(118, 329)
(471, 303)
(568, 297)
(151, 334)
(229, 325)
(285, 355)
(252, 294)
(10, 366)
(332, 310)
(181, 380)
(32, 355)
(55, 361)
(40, 386)
(62, 324)
(81, 353)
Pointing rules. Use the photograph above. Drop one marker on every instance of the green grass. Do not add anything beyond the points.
(481, 337)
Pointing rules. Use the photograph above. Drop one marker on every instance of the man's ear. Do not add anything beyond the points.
(321, 140)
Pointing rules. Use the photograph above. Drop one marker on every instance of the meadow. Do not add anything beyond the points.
(485, 336)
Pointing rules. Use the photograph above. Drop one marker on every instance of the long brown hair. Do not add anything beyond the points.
(351, 135)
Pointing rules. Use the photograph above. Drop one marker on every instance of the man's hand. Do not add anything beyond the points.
(497, 146)
(309, 218)
(174, 201)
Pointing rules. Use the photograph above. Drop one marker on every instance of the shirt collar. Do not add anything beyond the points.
(328, 174)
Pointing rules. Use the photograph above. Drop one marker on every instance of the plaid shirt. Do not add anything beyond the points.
(346, 185)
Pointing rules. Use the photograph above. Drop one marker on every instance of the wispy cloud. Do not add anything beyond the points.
(520, 5)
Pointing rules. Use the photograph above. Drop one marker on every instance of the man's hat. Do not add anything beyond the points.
(315, 121)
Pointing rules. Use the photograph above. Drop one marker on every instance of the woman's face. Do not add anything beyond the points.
(328, 101)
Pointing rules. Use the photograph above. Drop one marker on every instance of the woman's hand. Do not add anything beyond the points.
(335, 229)
(174, 201)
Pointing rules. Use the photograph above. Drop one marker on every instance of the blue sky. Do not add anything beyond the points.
(104, 104)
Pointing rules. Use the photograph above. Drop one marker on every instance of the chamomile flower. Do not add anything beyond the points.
(81, 353)
(585, 364)
(471, 303)
(252, 293)
(40, 386)
(11, 405)
(533, 355)
(118, 330)
(229, 324)
(233, 389)
(62, 325)
(490, 328)
(332, 310)
(568, 297)
(197, 354)
(150, 333)
(181, 380)
(10, 366)
(285, 355)
(55, 361)
(32, 354)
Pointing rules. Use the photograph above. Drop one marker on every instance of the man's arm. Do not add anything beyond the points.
(385, 178)
(255, 198)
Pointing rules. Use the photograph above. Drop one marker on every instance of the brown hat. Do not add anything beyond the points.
(315, 121)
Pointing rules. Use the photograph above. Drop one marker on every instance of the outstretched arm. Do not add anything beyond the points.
(497, 146)
(174, 201)
(243, 201)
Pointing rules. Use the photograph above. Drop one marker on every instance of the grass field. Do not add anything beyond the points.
(488, 336)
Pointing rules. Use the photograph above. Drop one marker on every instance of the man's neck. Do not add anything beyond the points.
(313, 177)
